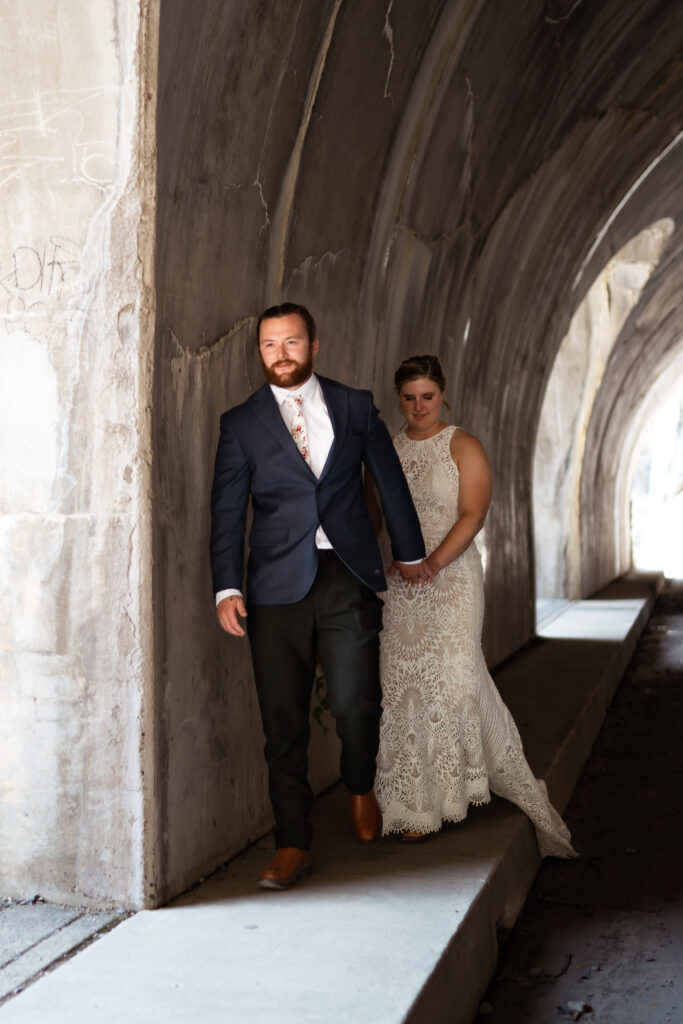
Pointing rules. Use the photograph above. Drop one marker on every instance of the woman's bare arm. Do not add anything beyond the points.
(474, 498)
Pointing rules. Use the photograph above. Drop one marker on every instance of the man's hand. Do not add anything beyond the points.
(228, 610)
(417, 574)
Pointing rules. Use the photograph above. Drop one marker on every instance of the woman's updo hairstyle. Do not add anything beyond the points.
(419, 366)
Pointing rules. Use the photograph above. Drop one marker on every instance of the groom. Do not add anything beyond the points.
(297, 446)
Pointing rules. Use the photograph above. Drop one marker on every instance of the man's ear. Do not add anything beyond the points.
(315, 345)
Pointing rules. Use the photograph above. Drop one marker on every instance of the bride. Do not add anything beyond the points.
(446, 738)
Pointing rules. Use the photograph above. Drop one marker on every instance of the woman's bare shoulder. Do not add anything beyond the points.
(465, 445)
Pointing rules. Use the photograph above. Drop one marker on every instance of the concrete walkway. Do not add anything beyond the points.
(391, 934)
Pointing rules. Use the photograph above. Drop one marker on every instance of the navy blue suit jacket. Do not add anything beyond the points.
(257, 456)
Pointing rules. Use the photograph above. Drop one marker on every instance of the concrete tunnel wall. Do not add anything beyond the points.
(426, 177)
(444, 176)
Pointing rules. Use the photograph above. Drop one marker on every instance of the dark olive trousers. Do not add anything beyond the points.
(339, 619)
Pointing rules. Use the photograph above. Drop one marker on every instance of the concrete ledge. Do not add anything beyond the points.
(393, 934)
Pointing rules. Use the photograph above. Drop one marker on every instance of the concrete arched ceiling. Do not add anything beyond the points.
(445, 176)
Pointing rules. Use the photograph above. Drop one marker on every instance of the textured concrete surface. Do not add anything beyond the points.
(75, 352)
(36, 936)
(388, 934)
(607, 932)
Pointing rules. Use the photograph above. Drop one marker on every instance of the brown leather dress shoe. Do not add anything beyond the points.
(286, 868)
(366, 818)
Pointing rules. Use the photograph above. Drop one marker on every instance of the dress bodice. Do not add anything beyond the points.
(433, 480)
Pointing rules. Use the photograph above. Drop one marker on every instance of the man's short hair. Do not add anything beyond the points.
(287, 309)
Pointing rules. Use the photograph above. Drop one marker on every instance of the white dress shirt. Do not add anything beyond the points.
(318, 428)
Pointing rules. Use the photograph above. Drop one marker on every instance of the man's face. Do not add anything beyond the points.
(286, 353)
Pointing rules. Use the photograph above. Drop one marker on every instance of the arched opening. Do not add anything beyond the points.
(653, 483)
(568, 403)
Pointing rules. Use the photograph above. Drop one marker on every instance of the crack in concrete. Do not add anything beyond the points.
(432, 242)
(257, 184)
(388, 33)
(440, 56)
(470, 152)
(134, 656)
(311, 262)
(563, 17)
(283, 211)
(209, 348)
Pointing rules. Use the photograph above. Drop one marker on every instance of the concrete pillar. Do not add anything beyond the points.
(76, 305)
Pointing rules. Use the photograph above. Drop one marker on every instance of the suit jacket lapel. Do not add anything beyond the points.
(337, 402)
(269, 415)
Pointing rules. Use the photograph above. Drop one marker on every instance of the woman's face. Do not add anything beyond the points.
(421, 405)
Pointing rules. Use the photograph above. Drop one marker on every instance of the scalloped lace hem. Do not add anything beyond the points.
(397, 818)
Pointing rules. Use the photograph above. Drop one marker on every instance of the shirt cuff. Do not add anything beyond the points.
(227, 593)
(406, 561)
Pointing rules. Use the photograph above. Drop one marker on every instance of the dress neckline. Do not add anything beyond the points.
(433, 437)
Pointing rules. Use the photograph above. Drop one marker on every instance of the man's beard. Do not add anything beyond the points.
(296, 373)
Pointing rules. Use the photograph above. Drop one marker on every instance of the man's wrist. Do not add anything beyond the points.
(222, 594)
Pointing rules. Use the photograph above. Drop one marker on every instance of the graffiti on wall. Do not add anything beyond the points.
(35, 284)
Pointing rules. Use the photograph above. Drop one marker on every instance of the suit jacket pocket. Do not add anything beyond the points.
(268, 536)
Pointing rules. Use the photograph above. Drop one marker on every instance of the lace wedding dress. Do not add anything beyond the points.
(446, 737)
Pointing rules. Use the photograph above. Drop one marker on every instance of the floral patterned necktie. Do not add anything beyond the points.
(298, 427)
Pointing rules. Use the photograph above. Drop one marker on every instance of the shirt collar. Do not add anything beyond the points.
(307, 390)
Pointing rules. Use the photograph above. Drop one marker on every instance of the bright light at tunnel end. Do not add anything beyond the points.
(657, 491)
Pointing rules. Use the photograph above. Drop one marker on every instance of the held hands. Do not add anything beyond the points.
(417, 575)
(228, 610)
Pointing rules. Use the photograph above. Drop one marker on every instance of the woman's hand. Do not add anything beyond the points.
(417, 574)
(433, 567)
